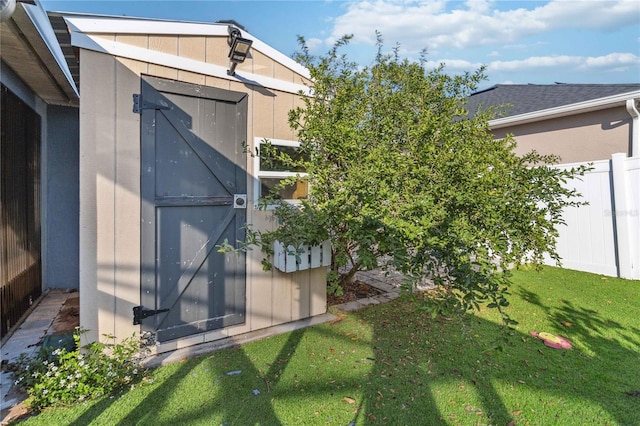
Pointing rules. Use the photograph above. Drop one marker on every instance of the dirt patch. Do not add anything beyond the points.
(16, 412)
(69, 317)
(352, 292)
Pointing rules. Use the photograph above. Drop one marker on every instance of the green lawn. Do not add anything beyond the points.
(388, 365)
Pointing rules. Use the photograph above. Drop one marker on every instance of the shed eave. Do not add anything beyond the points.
(87, 24)
(117, 49)
(613, 101)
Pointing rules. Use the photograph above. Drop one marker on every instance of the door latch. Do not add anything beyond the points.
(239, 201)
(139, 313)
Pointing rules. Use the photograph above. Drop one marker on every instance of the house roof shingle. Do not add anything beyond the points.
(524, 98)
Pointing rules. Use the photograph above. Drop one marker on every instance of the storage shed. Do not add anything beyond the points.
(166, 178)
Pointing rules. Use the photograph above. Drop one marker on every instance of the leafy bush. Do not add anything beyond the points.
(402, 175)
(64, 377)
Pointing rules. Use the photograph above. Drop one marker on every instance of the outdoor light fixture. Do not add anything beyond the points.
(238, 48)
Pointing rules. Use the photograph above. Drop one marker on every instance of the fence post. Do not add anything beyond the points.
(622, 217)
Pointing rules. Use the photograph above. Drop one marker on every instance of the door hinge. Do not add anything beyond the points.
(139, 104)
(139, 313)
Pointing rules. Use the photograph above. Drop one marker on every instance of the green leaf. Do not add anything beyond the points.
(400, 175)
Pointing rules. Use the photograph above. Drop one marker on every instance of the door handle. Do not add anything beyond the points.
(239, 201)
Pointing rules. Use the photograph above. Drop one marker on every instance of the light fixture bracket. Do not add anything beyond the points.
(238, 48)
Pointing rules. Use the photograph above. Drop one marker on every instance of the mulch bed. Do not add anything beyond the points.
(352, 292)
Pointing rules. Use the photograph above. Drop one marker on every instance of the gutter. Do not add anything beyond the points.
(632, 109)
(573, 109)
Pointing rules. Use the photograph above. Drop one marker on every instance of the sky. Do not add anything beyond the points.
(520, 42)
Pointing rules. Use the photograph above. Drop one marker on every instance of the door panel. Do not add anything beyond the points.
(192, 165)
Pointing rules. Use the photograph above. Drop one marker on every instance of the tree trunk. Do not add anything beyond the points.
(350, 276)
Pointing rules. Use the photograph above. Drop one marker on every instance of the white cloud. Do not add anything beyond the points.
(314, 43)
(614, 62)
(418, 24)
(534, 62)
(613, 59)
(620, 61)
(454, 64)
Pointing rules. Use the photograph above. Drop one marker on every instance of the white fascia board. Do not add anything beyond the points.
(41, 21)
(280, 142)
(565, 110)
(115, 25)
(123, 50)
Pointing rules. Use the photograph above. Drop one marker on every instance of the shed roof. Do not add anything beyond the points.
(77, 30)
(526, 98)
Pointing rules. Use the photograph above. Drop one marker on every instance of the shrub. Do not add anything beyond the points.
(402, 175)
(64, 377)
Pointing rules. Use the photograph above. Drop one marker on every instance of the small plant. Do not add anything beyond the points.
(334, 287)
(65, 377)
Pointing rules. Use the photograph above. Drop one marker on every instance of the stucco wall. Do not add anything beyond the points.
(584, 137)
(60, 217)
(110, 187)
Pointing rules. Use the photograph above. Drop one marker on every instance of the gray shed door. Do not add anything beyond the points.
(192, 166)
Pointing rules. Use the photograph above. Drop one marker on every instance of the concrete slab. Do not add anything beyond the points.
(27, 340)
(35, 324)
(349, 306)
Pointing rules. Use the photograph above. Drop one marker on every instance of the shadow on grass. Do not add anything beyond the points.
(586, 324)
(256, 406)
(424, 360)
(416, 371)
(141, 411)
(404, 383)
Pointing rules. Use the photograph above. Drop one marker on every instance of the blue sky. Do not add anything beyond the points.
(542, 42)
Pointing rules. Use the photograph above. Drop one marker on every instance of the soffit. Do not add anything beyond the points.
(23, 49)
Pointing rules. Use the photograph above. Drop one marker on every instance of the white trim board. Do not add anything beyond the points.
(123, 50)
(117, 25)
(565, 110)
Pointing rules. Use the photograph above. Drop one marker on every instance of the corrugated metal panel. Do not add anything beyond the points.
(20, 270)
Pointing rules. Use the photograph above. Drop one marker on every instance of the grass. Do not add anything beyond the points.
(388, 364)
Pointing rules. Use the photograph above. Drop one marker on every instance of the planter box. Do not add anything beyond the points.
(288, 259)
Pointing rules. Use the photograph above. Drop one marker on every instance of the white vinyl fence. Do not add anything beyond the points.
(604, 236)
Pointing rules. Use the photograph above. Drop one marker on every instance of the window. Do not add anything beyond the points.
(270, 170)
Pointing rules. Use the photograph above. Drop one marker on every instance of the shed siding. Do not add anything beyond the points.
(126, 195)
(95, 270)
(262, 64)
(110, 189)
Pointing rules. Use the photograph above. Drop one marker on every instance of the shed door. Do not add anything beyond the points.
(192, 166)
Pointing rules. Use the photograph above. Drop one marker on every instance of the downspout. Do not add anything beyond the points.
(632, 109)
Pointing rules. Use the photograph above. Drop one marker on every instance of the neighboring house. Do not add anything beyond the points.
(595, 123)
(578, 122)
(165, 180)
